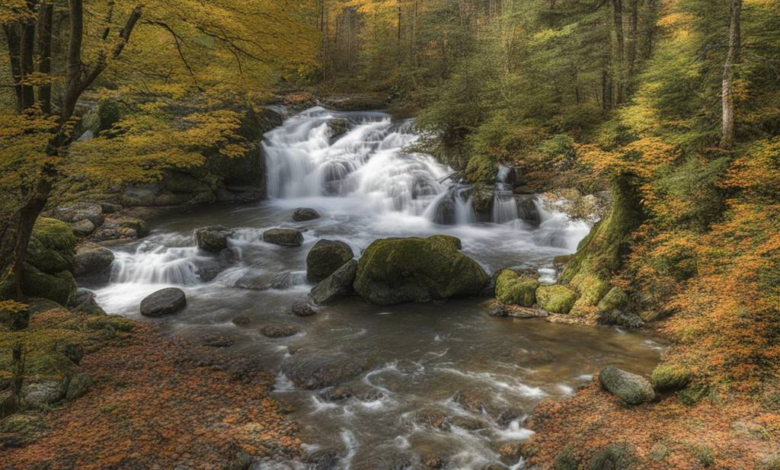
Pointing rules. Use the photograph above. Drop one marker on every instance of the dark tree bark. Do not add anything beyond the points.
(44, 51)
(14, 41)
(27, 55)
(619, 54)
(732, 61)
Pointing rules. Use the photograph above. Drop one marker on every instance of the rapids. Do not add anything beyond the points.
(423, 359)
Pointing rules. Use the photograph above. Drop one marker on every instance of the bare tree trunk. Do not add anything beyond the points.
(732, 61)
(632, 40)
(650, 28)
(44, 51)
(27, 53)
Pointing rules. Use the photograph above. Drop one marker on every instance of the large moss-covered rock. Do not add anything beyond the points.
(513, 289)
(325, 258)
(60, 287)
(631, 388)
(213, 239)
(335, 286)
(616, 298)
(556, 299)
(54, 234)
(397, 270)
(669, 378)
(51, 247)
(592, 289)
(92, 258)
(612, 457)
(283, 237)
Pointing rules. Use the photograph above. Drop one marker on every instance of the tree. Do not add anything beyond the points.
(732, 62)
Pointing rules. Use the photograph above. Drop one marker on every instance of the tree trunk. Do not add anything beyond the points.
(44, 51)
(14, 42)
(632, 40)
(27, 55)
(649, 33)
(618, 56)
(732, 61)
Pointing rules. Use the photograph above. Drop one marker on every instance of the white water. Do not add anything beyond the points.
(367, 186)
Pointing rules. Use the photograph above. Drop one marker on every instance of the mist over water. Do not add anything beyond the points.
(357, 171)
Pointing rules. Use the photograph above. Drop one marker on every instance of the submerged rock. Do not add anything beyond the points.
(397, 270)
(336, 286)
(302, 309)
(513, 289)
(304, 214)
(314, 369)
(283, 237)
(325, 258)
(121, 228)
(163, 302)
(213, 239)
(631, 388)
(85, 301)
(556, 299)
(279, 331)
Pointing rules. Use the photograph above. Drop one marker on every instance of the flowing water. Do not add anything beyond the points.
(482, 374)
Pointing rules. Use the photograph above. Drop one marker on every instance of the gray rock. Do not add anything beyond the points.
(229, 257)
(121, 228)
(627, 320)
(213, 239)
(42, 394)
(81, 211)
(86, 302)
(631, 388)
(265, 281)
(316, 369)
(94, 260)
(207, 269)
(302, 309)
(163, 302)
(304, 214)
(279, 331)
(242, 320)
(83, 227)
(336, 286)
(325, 258)
(283, 237)
(79, 385)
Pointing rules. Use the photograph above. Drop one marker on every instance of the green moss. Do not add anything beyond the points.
(614, 457)
(54, 234)
(668, 378)
(48, 260)
(591, 288)
(565, 460)
(693, 394)
(60, 287)
(616, 298)
(482, 197)
(396, 270)
(110, 322)
(481, 169)
(21, 424)
(556, 299)
(109, 113)
(515, 290)
(138, 225)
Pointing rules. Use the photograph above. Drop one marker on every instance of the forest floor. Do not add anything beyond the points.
(157, 403)
(735, 432)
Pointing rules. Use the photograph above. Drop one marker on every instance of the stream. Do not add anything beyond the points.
(443, 378)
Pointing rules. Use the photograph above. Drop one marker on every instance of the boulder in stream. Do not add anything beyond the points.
(556, 298)
(514, 289)
(325, 258)
(278, 331)
(163, 302)
(631, 388)
(336, 286)
(283, 237)
(93, 261)
(313, 369)
(213, 239)
(397, 270)
(302, 309)
(304, 214)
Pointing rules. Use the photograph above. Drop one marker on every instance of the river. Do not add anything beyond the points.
(450, 360)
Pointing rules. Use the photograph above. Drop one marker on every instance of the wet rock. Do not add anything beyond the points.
(315, 369)
(242, 320)
(241, 461)
(264, 281)
(467, 423)
(506, 417)
(86, 302)
(118, 227)
(556, 298)
(526, 209)
(386, 460)
(78, 386)
(336, 394)
(337, 127)
(163, 302)
(431, 417)
(325, 459)
(207, 269)
(216, 340)
(229, 257)
(513, 289)
(497, 309)
(325, 258)
(397, 270)
(304, 214)
(213, 239)
(83, 228)
(90, 211)
(631, 388)
(93, 261)
(279, 331)
(303, 309)
(627, 320)
(283, 237)
(336, 286)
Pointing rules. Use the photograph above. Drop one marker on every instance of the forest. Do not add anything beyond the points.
(390, 234)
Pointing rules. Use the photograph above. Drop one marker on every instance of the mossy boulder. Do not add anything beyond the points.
(397, 270)
(556, 299)
(591, 288)
(669, 378)
(693, 394)
(513, 289)
(612, 457)
(60, 287)
(51, 248)
(325, 258)
(565, 460)
(54, 234)
(482, 196)
(213, 239)
(631, 388)
(615, 299)
(283, 237)
(78, 386)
